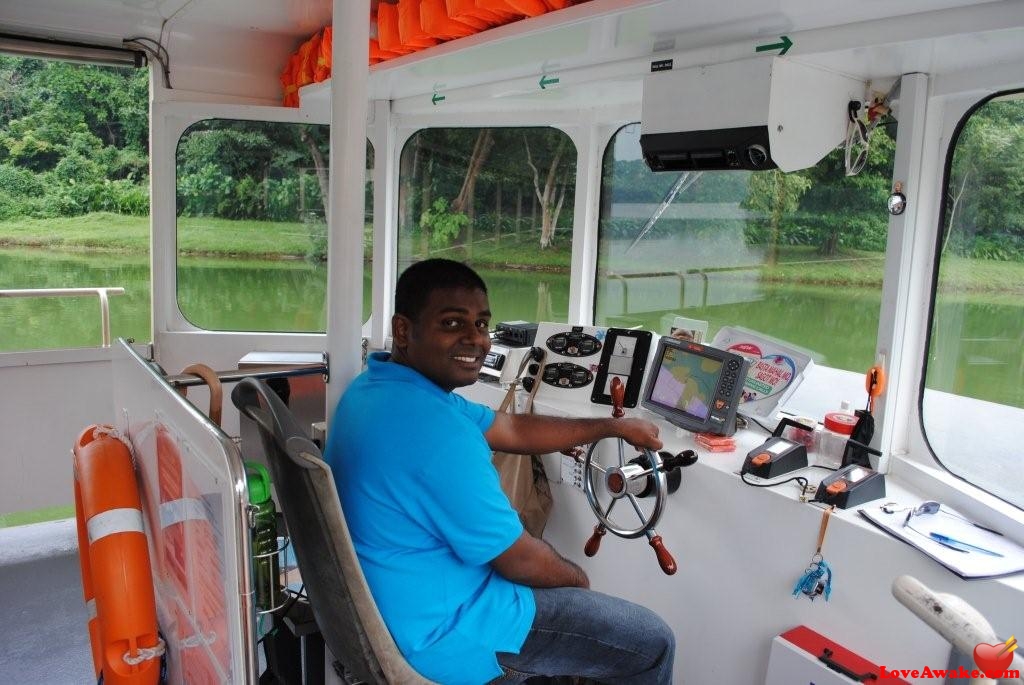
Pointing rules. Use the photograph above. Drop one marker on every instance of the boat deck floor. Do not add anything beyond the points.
(43, 634)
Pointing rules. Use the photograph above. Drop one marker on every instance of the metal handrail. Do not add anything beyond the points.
(185, 380)
(102, 293)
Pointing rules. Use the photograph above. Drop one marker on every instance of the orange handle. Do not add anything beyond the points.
(665, 560)
(874, 383)
(618, 397)
(594, 543)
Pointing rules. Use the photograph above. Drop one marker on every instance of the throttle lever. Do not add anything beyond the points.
(681, 460)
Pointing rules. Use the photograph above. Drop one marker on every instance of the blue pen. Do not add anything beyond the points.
(961, 545)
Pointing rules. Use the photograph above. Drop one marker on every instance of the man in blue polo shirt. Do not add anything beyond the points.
(467, 593)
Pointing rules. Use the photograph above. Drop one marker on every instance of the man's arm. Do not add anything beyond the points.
(535, 563)
(535, 434)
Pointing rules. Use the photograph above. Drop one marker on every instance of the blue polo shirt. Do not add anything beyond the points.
(427, 515)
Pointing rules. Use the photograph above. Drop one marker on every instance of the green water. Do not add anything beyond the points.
(978, 356)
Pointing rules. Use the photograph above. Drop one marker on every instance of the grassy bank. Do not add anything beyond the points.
(107, 232)
(290, 240)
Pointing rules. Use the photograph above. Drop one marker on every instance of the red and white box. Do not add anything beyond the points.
(801, 656)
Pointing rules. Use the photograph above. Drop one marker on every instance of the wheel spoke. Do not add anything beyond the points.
(610, 505)
(636, 508)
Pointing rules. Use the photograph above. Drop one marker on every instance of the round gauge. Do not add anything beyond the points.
(573, 344)
(567, 375)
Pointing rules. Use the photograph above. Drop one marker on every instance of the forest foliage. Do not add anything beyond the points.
(74, 140)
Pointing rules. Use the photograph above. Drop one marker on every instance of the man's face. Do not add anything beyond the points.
(449, 340)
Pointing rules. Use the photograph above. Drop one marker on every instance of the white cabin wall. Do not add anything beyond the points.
(740, 550)
(231, 64)
(49, 398)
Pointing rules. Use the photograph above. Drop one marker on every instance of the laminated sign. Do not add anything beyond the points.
(776, 368)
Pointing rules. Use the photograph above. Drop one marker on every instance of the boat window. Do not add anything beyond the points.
(252, 228)
(74, 202)
(798, 256)
(499, 199)
(973, 392)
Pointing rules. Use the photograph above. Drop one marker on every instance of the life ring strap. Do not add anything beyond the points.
(127, 520)
(145, 653)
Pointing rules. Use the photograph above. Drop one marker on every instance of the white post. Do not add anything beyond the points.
(586, 213)
(350, 61)
(899, 312)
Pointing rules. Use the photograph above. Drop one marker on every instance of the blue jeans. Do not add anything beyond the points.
(584, 633)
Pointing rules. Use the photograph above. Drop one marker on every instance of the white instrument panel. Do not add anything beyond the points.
(580, 363)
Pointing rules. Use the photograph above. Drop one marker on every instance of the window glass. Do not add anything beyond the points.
(252, 228)
(798, 256)
(74, 201)
(973, 393)
(499, 199)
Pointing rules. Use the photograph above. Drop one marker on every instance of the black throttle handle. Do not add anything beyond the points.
(672, 462)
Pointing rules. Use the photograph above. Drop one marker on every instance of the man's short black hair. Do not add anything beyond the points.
(422, 278)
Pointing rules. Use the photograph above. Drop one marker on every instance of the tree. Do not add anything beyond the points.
(463, 202)
(839, 210)
(79, 132)
(552, 194)
(251, 170)
(985, 191)
(476, 172)
(774, 195)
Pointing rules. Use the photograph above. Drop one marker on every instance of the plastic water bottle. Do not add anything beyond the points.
(838, 426)
(263, 526)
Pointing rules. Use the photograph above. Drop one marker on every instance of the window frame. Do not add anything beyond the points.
(959, 122)
(177, 341)
(588, 130)
(913, 464)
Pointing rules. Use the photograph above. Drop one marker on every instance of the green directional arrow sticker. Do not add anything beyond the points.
(783, 46)
(436, 99)
(546, 81)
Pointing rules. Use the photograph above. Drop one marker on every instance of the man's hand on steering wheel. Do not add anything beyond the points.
(639, 433)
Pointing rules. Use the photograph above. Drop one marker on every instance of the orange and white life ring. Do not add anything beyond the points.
(112, 548)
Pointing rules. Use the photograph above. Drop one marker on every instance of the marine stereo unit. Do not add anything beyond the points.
(515, 333)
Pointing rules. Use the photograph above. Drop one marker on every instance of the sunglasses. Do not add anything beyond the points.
(933, 507)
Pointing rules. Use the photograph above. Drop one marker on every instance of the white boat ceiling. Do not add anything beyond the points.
(212, 50)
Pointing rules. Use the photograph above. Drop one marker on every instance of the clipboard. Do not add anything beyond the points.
(952, 524)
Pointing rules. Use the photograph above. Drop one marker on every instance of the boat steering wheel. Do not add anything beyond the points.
(627, 480)
(641, 476)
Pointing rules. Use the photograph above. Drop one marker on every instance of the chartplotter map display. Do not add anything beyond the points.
(686, 382)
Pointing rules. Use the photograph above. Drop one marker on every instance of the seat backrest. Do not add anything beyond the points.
(340, 598)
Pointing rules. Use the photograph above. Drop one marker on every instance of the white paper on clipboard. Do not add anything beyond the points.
(949, 522)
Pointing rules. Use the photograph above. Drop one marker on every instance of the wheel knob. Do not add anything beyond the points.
(665, 559)
(618, 397)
